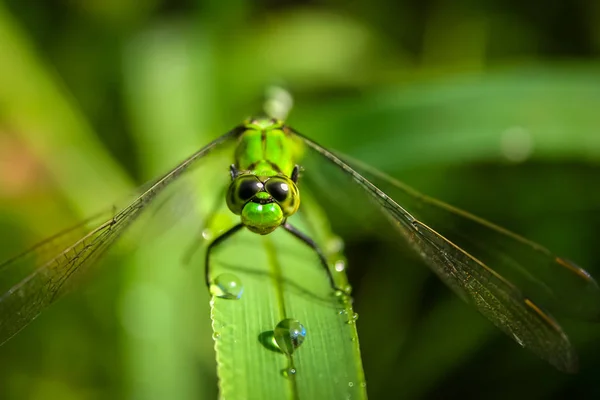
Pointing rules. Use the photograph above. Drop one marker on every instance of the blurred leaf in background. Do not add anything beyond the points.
(491, 106)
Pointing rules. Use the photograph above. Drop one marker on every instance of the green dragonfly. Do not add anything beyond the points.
(270, 160)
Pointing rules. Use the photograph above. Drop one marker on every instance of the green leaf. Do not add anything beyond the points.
(282, 278)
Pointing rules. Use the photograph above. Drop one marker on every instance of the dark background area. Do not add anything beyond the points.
(491, 106)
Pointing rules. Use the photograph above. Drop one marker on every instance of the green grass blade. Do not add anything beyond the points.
(36, 106)
(282, 278)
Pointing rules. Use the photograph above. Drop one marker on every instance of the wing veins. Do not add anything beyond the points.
(24, 301)
(500, 303)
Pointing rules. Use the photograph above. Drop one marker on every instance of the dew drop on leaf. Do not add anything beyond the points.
(289, 334)
(227, 286)
(288, 372)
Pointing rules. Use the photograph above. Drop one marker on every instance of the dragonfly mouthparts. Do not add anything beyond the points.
(263, 201)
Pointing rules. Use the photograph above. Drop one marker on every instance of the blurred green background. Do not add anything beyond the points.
(492, 106)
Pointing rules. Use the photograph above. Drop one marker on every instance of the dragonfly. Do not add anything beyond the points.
(270, 160)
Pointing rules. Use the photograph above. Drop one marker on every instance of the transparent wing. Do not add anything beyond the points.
(553, 281)
(53, 273)
(16, 268)
(469, 276)
(50, 246)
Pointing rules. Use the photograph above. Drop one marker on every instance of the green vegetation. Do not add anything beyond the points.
(491, 107)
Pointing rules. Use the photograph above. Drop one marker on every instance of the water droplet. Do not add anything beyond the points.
(343, 292)
(227, 286)
(353, 319)
(289, 334)
(343, 298)
(351, 384)
(208, 234)
(340, 265)
(216, 335)
(287, 372)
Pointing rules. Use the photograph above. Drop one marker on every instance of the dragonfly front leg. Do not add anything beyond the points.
(214, 243)
(311, 243)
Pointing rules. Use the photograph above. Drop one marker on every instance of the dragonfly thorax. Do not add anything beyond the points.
(263, 202)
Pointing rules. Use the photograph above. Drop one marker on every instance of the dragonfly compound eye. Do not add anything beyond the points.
(280, 190)
(242, 189)
(285, 193)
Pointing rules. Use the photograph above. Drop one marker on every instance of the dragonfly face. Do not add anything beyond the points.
(263, 202)
(263, 189)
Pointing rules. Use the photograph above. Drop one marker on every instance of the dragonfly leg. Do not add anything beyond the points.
(291, 229)
(220, 239)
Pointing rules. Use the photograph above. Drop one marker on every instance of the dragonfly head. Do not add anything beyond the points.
(263, 202)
